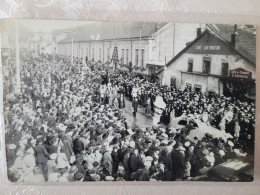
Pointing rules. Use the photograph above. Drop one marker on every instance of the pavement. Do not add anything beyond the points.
(141, 120)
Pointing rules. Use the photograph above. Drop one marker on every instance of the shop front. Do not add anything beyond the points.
(239, 84)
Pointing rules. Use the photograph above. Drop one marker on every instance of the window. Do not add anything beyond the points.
(136, 57)
(108, 57)
(206, 66)
(122, 56)
(142, 58)
(93, 50)
(190, 65)
(173, 83)
(153, 70)
(224, 69)
(197, 88)
(127, 56)
(189, 87)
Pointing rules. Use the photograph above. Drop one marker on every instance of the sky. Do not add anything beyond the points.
(47, 26)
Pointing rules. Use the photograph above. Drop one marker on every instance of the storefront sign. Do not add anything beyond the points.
(241, 73)
(208, 48)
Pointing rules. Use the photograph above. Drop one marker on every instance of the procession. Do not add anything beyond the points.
(68, 126)
(72, 119)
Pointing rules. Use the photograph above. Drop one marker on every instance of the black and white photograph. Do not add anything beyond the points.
(128, 101)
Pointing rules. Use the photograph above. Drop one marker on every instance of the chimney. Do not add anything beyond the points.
(198, 32)
(234, 36)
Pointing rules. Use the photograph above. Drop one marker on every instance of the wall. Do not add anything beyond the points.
(181, 64)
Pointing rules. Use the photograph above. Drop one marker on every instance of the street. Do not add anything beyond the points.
(141, 120)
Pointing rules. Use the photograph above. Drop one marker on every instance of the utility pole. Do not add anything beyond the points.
(72, 50)
(18, 82)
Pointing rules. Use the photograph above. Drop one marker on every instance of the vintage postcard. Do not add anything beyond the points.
(128, 101)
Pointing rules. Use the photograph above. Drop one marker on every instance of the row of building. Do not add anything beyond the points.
(218, 59)
(148, 46)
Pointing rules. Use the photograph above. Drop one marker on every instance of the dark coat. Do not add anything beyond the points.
(219, 160)
(121, 102)
(121, 153)
(167, 161)
(134, 162)
(140, 175)
(135, 105)
(178, 164)
(115, 159)
(51, 148)
(81, 168)
(126, 163)
(78, 146)
(41, 153)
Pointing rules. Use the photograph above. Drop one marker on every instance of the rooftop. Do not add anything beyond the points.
(246, 39)
(111, 30)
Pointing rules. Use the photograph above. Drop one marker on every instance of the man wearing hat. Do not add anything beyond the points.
(219, 157)
(135, 160)
(167, 161)
(135, 104)
(41, 158)
(178, 163)
(143, 173)
(115, 159)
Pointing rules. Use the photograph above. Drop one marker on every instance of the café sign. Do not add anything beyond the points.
(240, 73)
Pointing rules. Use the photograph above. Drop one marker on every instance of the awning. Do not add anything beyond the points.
(155, 63)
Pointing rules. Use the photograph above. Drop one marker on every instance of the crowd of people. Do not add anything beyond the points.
(227, 114)
(67, 124)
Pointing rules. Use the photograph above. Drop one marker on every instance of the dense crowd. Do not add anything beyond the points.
(67, 124)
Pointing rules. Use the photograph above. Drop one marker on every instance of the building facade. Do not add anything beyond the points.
(148, 49)
(211, 65)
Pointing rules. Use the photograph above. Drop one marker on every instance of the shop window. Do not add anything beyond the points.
(206, 66)
(136, 57)
(197, 88)
(190, 65)
(224, 69)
